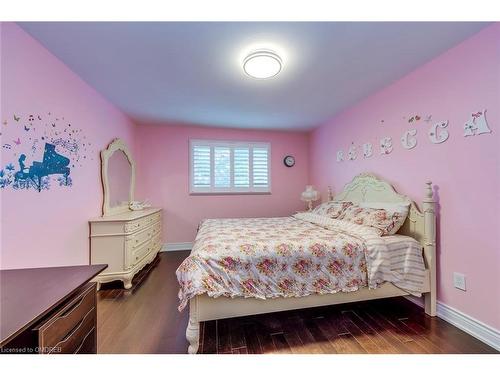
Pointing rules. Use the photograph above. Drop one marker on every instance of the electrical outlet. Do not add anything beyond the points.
(459, 281)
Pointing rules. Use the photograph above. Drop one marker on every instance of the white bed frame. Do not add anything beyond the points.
(363, 188)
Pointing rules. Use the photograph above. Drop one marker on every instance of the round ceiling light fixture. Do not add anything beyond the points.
(262, 64)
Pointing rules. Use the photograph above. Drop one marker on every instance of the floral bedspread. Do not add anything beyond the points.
(282, 257)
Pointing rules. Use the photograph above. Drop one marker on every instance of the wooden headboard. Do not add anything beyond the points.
(420, 225)
(367, 187)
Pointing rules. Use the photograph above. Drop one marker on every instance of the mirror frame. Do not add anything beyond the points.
(116, 145)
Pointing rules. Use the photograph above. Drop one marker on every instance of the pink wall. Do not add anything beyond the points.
(50, 228)
(464, 171)
(163, 177)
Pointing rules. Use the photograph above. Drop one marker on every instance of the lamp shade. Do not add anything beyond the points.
(309, 195)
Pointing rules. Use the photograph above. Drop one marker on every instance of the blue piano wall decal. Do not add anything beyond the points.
(52, 163)
(65, 147)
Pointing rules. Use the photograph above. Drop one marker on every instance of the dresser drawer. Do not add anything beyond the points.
(139, 253)
(89, 343)
(79, 338)
(139, 224)
(156, 217)
(62, 325)
(137, 239)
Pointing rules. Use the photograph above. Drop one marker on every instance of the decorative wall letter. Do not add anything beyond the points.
(340, 155)
(367, 150)
(351, 155)
(477, 124)
(439, 137)
(469, 128)
(386, 145)
(414, 118)
(408, 139)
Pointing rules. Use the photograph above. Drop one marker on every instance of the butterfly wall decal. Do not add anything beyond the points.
(17, 142)
(16, 118)
(26, 128)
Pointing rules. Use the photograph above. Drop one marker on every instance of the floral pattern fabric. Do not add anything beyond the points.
(274, 257)
(388, 222)
(269, 258)
(332, 209)
(282, 257)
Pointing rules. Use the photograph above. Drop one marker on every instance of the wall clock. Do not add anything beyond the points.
(289, 161)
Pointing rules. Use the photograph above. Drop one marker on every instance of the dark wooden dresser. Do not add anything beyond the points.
(49, 310)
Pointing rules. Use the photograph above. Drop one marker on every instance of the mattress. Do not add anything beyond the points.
(294, 257)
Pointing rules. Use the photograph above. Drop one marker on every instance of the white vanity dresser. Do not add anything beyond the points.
(123, 239)
(126, 243)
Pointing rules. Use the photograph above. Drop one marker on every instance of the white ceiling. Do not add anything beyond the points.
(191, 72)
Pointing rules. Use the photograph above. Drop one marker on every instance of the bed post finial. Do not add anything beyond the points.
(330, 193)
(429, 208)
(428, 190)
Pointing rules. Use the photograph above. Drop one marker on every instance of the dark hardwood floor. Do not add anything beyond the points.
(145, 319)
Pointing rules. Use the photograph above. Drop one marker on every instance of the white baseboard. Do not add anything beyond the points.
(177, 246)
(466, 323)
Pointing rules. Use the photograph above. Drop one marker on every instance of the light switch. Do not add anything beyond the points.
(459, 281)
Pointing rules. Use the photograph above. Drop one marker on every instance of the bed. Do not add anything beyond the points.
(253, 266)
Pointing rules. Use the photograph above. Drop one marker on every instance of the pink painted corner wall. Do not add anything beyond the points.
(50, 228)
(163, 177)
(464, 170)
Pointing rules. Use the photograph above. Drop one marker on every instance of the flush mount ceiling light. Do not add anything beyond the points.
(262, 64)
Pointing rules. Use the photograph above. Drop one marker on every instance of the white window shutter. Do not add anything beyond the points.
(229, 167)
(241, 167)
(260, 167)
(222, 167)
(201, 166)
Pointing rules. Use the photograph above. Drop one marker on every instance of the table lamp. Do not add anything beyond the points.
(309, 195)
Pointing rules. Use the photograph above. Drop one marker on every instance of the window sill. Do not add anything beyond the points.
(231, 193)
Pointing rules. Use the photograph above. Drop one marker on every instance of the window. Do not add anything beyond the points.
(229, 167)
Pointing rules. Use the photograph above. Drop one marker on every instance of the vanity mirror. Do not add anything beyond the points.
(118, 178)
(124, 239)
